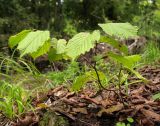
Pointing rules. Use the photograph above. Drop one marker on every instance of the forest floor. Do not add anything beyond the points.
(91, 108)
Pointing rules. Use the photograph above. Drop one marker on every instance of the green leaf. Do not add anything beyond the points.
(121, 30)
(138, 75)
(124, 78)
(14, 40)
(20, 106)
(120, 124)
(53, 56)
(53, 41)
(96, 35)
(129, 119)
(126, 61)
(156, 96)
(57, 52)
(33, 41)
(81, 43)
(81, 80)
(61, 46)
(102, 77)
(121, 47)
(97, 57)
(42, 50)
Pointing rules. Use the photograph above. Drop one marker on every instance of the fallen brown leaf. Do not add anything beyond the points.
(150, 114)
(80, 110)
(110, 110)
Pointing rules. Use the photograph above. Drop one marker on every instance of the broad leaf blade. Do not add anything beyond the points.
(14, 40)
(80, 44)
(61, 46)
(126, 61)
(80, 81)
(57, 52)
(96, 35)
(42, 50)
(53, 56)
(33, 41)
(121, 30)
(121, 47)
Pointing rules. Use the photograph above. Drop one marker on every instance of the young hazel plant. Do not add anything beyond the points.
(37, 43)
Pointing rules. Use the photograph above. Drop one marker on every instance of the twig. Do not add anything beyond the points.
(98, 78)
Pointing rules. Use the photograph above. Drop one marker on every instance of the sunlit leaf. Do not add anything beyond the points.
(121, 30)
(61, 46)
(14, 40)
(96, 35)
(81, 43)
(33, 41)
(42, 50)
(57, 52)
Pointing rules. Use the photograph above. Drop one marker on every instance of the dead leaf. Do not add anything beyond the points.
(110, 110)
(60, 93)
(138, 91)
(80, 110)
(106, 103)
(138, 101)
(70, 94)
(28, 120)
(96, 100)
(150, 114)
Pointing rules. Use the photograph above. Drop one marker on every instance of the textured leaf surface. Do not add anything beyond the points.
(96, 35)
(61, 46)
(81, 43)
(33, 41)
(42, 50)
(121, 47)
(14, 40)
(121, 30)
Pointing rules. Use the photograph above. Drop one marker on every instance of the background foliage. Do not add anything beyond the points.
(66, 17)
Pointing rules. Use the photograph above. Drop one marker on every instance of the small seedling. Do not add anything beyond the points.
(13, 100)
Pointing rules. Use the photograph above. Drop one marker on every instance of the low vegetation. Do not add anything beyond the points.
(79, 71)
